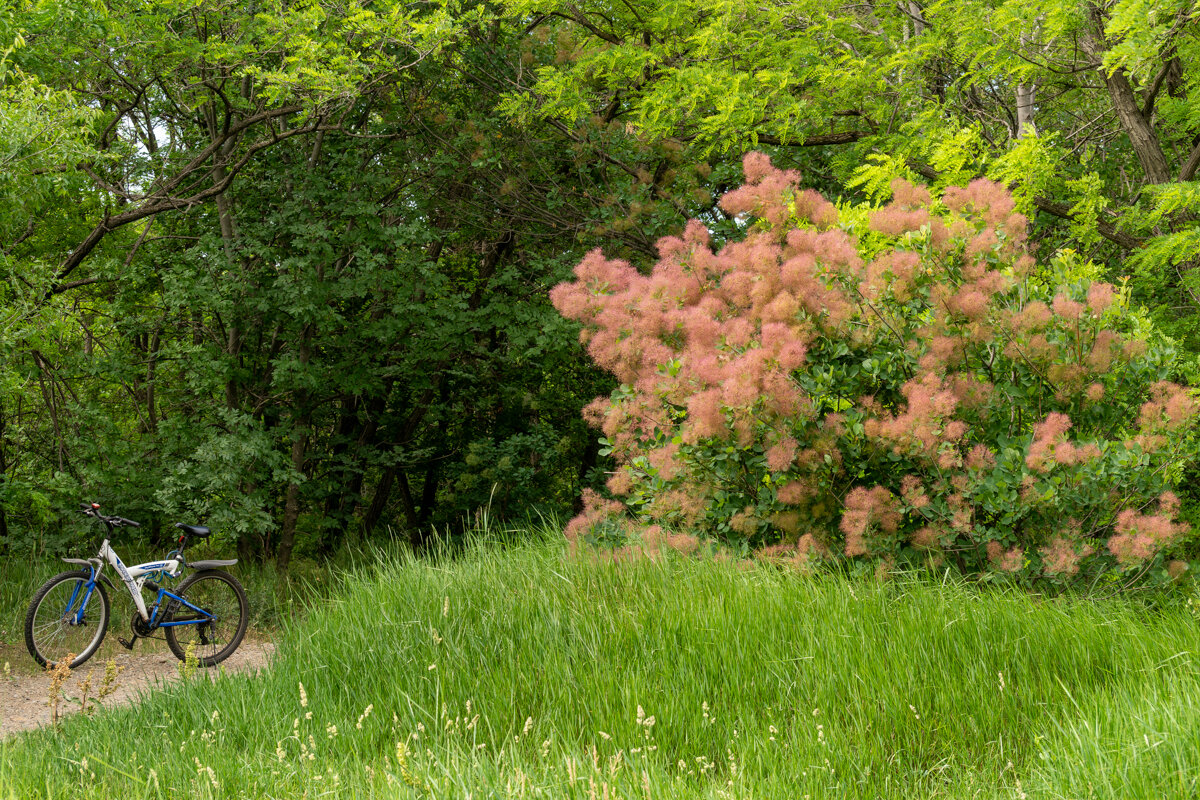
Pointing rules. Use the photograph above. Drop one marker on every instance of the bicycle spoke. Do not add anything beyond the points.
(54, 629)
(51, 631)
(209, 640)
(54, 623)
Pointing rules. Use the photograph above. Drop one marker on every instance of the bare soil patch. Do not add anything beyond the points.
(25, 690)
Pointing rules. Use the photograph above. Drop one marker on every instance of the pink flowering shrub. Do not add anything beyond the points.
(909, 389)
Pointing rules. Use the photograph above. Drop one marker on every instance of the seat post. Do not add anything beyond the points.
(180, 546)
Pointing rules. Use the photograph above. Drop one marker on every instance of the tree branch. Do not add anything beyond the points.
(29, 229)
(845, 137)
(66, 287)
(1151, 93)
(582, 22)
(1189, 167)
(1105, 229)
(167, 203)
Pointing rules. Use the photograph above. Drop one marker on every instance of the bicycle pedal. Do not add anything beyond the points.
(128, 645)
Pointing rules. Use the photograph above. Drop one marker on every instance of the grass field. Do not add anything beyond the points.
(521, 672)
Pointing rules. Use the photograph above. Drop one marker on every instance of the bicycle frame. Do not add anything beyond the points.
(134, 578)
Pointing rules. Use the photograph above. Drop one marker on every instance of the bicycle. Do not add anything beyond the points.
(208, 612)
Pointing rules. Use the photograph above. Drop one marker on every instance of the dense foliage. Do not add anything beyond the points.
(914, 383)
(284, 266)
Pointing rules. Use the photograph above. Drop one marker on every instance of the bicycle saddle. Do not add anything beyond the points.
(193, 530)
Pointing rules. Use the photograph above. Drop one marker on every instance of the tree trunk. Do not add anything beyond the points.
(429, 487)
(233, 349)
(48, 395)
(1138, 128)
(291, 506)
(433, 470)
(379, 502)
(406, 499)
(346, 425)
(1136, 125)
(346, 470)
(1026, 97)
(225, 218)
(151, 372)
(916, 16)
(219, 175)
(3, 477)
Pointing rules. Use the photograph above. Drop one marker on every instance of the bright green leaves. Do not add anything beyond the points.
(718, 74)
(326, 53)
(41, 128)
(1032, 166)
(1171, 199)
(1139, 29)
(314, 52)
(1090, 200)
(874, 177)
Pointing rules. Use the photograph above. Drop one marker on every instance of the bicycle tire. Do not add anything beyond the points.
(207, 593)
(45, 640)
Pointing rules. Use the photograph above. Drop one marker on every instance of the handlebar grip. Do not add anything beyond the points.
(121, 522)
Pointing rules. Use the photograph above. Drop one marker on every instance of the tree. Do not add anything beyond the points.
(351, 326)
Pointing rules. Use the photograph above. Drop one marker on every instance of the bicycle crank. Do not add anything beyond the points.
(141, 630)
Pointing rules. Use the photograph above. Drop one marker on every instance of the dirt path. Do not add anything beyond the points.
(24, 691)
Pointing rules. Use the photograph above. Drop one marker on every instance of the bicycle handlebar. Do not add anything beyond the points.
(93, 510)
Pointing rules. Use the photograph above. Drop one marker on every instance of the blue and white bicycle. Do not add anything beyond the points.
(208, 612)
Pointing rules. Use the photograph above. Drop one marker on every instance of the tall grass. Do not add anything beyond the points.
(522, 672)
(18, 581)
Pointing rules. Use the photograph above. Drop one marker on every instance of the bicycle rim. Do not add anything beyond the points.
(213, 640)
(61, 625)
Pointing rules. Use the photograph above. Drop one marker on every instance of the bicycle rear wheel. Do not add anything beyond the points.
(65, 619)
(213, 637)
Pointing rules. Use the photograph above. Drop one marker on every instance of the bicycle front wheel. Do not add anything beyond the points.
(66, 619)
(215, 634)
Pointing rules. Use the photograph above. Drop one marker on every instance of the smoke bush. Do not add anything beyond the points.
(903, 384)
